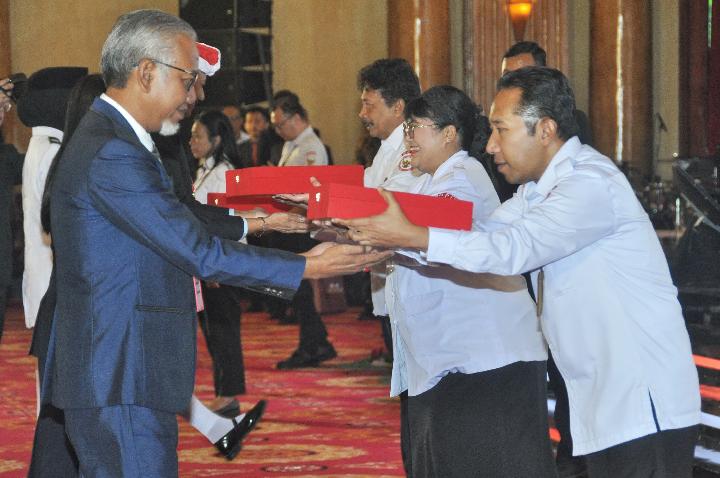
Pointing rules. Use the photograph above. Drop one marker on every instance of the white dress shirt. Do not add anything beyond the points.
(388, 171)
(445, 320)
(305, 150)
(210, 178)
(43, 147)
(140, 132)
(611, 315)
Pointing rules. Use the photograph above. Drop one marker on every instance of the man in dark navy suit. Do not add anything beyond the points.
(121, 358)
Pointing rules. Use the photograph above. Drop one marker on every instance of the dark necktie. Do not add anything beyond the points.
(254, 153)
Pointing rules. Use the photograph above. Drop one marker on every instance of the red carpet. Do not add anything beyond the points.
(333, 421)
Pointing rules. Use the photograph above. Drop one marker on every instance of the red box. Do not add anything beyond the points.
(269, 180)
(247, 203)
(350, 202)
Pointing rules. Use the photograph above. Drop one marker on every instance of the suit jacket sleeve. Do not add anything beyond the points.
(216, 220)
(130, 188)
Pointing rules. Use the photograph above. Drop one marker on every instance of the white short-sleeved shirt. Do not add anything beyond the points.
(305, 150)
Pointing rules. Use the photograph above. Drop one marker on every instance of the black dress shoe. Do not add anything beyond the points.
(230, 444)
(302, 358)
(231, 410)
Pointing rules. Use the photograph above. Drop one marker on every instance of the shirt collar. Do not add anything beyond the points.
(298, 139)
(207, 163)
(141, 133)
(394, 141)
(562, 163)
(450, 163)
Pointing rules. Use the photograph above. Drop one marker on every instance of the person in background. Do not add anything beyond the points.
(234, 114)
(302, 148)
(41, 108)
(213, 146)
(256, 150)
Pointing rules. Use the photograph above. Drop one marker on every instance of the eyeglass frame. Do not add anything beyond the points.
(409, 128)
(279, 125)
(194, 73)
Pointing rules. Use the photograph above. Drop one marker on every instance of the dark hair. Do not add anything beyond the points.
(218, 125)
(546, 93)
(538, 54)
(393, 78)
(257, 109)
(289, 103)
(81, 98)
(446, 105)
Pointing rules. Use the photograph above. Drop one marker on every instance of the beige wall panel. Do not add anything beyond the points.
(67, 32)
(318, 48)
(64, 32)
(666, 82)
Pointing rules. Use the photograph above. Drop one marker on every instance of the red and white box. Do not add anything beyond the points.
(270, 180)
(350, 202)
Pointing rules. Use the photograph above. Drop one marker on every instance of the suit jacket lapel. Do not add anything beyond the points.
(124, 131)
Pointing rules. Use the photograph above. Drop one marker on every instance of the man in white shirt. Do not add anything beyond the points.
(235, 116)
(302, 148)
(608, 308)
(387, 86)
(290, 119)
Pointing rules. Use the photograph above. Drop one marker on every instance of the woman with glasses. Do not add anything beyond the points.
(467, 347)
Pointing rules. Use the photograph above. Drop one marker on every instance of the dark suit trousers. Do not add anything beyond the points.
(666, 454)
(489, 424)
(52, 455)
(124, 441)
(220, 323)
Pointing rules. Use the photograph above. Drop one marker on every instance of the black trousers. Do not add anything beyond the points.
(561, 415)
(666, 454)
(490, 424)
(220, 323)
(312, 328)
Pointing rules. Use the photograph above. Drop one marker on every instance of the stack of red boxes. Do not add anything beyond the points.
(341, 195)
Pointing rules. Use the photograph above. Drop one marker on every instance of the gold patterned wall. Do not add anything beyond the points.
(488, 34)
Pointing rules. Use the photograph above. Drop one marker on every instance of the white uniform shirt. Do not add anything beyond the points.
(611, 315)
(44, 144)
(210, 178)
(305, 150)
(446, 320)
(388, 171)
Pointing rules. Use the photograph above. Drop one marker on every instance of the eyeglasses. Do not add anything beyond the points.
(409, 128)
(282, 123)
(189, 82)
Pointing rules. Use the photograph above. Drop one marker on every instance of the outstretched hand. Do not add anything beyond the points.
(299, 200)
(391, 229)
(287, 222)
(329, 259)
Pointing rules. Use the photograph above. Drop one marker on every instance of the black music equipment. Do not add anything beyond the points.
(241, 30)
